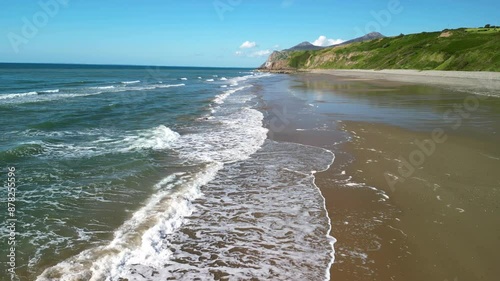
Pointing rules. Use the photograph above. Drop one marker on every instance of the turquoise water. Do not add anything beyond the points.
(114, 163)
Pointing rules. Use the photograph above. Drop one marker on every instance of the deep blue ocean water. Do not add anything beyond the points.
(118, 166)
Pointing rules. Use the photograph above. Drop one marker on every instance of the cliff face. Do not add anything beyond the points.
(284, 61)
(278, 61)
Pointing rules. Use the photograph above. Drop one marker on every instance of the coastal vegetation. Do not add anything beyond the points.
(467, 49)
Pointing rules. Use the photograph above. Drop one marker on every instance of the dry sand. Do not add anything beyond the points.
(461, 80)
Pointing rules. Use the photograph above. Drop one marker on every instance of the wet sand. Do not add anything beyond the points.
(414, 190)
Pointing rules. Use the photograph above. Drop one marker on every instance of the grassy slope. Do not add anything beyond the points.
(465, 49)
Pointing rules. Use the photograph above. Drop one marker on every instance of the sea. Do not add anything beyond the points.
(154, 173)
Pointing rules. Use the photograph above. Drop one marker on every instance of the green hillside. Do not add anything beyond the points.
(459, 49)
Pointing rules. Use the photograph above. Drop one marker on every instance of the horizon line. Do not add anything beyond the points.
(133, 65)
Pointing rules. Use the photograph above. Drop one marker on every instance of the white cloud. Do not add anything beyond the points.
(248, 45)
(254, 54)
(260, 53)
(323, 41)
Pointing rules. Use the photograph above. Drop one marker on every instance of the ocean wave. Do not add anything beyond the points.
(210, 80)
(52, 95)
(22, 151)
(158, 138)
(17, 95)
(236, 137)
(141, 239)
(237, 80)
(231, 225)
(168, 182)
(34, 97)
(219, 99)
(131, 82)
(184, 79)
(153, 86)
(104, 87)
(164, 211)
(49, 91)
(168, 86)
(142, 243)
(92, 143)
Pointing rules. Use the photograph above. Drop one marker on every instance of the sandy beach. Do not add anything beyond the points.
(436, 220)
(250, 140)
(462, 80)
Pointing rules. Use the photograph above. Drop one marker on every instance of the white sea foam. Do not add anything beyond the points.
(104, 87)
(219, 99)
(243, 223)
(150, 239)
(184, 79)
(237, 80)
(53, 95)
(83, 235)
(238, 135)
(159, 138)
(168, 86)
(490, 156)
(161, 215)
(49, 91)
(210, 80)
(168, 182)
(32, 97)
(131, 82)
(17, 95)
(234, 225)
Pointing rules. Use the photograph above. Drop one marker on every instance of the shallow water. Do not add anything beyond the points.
(118, 168)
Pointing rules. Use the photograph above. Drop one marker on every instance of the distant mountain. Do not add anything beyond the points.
(278, 60)
(304, 46)
(367, 37)
(307, 46)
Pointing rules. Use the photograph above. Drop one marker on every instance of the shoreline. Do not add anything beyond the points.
(409, 231)
(457, 80)
(348, 250)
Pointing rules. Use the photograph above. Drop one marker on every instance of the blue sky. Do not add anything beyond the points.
(210, 32)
